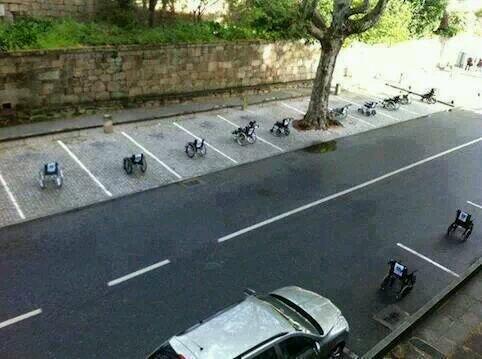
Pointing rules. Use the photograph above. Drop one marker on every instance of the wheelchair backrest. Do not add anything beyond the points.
(51, 168)
(370, 104)
(463, 217)
(137, 158)
(286, 122)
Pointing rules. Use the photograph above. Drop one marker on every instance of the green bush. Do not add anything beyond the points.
(22, 34)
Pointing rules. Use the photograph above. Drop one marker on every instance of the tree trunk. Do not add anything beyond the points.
(317, 115)
(152, 12)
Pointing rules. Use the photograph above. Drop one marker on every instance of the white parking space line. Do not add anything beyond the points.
(150, 154)
(11, 197)
(259, 138)
(20, 318)
(342, 193)
(428, 260)
(362, 121)
(474, 204)
(357, 104)
(74, 157)
(138, 273)
(205, 142)
(293, 108)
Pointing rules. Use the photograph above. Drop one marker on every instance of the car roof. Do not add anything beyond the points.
(233, 331)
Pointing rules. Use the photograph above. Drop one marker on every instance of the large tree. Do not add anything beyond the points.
(346, 19)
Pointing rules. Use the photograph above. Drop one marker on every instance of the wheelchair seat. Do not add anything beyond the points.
(138, 158)
(51, 169)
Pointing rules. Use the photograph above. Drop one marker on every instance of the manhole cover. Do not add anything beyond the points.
(426, 348)
(391, 316)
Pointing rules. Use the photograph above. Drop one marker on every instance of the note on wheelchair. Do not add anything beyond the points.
(463, 217)
(399, 269)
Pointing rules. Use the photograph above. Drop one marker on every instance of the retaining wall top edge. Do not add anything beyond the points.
(127, 48)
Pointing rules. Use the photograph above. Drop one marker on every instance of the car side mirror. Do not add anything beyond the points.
(249, 292)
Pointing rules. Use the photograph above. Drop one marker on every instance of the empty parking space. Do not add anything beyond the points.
(103, 156)
(20, 169)
(167, 142)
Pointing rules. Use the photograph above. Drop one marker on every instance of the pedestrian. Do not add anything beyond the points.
(470, 63)
(479, 65)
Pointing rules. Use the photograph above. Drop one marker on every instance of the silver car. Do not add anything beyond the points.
(288, 323)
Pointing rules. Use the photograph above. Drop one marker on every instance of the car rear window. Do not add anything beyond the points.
(165, 352)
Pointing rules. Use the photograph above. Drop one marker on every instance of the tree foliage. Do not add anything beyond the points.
(426, 16)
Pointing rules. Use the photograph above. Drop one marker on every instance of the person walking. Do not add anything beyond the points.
(479, 65)
(470, 63)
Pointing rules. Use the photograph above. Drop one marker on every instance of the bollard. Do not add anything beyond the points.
(337, 89)
(245, 103)
(108, 124)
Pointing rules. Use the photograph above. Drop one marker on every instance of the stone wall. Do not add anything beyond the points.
(47, 8)
(39, 82)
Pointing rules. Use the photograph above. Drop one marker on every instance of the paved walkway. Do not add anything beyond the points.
(454, 330)
(142, 114)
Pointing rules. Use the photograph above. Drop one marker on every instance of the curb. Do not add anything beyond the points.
(390, 340)
(150, 118)
(418, 94)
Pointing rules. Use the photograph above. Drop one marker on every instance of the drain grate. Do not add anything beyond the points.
(391, 316)
(426, 348)
(191, 182)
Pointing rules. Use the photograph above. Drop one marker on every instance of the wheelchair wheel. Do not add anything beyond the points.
(203, 150)
(252, 139)
(241, 139)
(128, 165)
(390, 106)
(287, 131)
(385, 282)
(431, 100)
(190, 150)
(373, 112)
(59, 181)
(467, 233)
(277, 132)
(144, 165)
(404, 291)
(404, 101)
(360, 110)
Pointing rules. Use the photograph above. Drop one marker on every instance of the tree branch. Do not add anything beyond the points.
(361, 9)
(370, 19)
(316, 24)
(315, 32)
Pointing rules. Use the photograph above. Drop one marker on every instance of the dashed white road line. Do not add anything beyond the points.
(259, 138)
(150, 154)
(345, 192)
(75, 158)
(20, 318)
(474, 204)
(357, 104)
(11, 197)
(138, 273)
(205, 142)
(428, 260)
(293, 108)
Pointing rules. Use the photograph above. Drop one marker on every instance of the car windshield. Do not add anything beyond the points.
(298, 321)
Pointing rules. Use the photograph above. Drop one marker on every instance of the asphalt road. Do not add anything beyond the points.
(62, 264)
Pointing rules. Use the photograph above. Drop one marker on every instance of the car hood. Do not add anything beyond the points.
(321, 309)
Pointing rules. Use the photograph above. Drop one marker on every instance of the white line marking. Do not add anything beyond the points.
(138, 273)
(205, 142)
(12, 197)
(474, 204)
(20, 318)
(342, 193)
(259, 138)
(428, 260)
(357, 104)
(74, 157)
(150, 154)
(363, 121)
(293, 108)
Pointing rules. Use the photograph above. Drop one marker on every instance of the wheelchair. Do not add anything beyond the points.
(246, 135)
(399, 272)
(429, 97)
(51, 172)
(138, 160)
(195, 147)
(463, 220)
(340, 113)
(281, 128)
(368, 108)
(390, 104)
